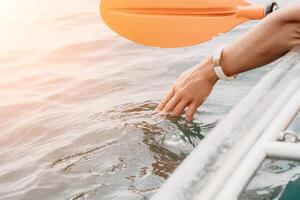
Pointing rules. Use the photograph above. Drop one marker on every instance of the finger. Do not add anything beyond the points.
(165, 100)
(191, 111)
(171, 104)
(180, 108)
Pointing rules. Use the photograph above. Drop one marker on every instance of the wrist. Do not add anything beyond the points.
(207, 67)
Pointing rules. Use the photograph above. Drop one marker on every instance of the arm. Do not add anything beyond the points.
(272, 38)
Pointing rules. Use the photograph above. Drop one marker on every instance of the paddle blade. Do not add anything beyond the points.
(175, 23)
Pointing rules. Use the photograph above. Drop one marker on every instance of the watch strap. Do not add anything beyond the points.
(217, 65)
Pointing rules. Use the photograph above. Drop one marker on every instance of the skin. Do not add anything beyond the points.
(272, 38)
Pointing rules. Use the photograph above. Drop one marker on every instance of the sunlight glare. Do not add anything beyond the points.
(8, 10)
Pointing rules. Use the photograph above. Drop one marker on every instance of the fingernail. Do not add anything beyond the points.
(189, 119)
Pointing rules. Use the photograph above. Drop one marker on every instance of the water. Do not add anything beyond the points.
(77, 105)
(276, 179)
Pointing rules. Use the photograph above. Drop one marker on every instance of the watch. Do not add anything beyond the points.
(217, 65)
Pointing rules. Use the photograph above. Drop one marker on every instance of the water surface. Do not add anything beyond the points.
(77, 105)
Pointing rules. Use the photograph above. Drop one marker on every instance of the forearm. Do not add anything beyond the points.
(272, 38)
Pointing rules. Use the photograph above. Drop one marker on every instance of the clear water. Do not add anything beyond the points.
(276, 179)
(77, 105)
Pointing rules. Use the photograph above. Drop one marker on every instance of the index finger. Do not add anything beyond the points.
(165, 100)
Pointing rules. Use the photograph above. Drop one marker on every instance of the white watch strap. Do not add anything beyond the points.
(217, 66)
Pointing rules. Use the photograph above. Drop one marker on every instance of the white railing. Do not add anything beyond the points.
(265, 146)
(208, 172)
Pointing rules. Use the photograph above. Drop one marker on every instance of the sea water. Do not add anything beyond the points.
(77, 105)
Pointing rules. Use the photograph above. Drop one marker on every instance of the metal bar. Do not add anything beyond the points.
(284, 150)
(250, 163)
(197, 171)
(240, 149)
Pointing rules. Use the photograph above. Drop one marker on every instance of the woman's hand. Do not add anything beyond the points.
(273, 37)
(190, 90)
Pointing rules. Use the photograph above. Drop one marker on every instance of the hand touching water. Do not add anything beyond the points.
(190, 90)
(274, 36)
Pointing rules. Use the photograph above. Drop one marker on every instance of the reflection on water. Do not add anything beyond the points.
(276, 179)
(77, 105)
(146, 152)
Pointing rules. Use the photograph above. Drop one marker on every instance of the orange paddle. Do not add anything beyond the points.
(177, 23)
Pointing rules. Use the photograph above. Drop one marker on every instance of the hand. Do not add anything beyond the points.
(190, 90)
